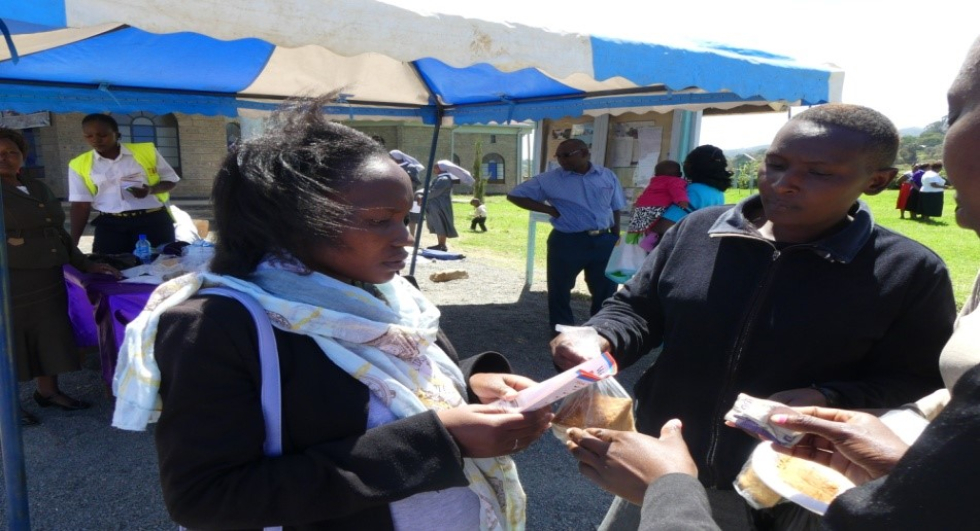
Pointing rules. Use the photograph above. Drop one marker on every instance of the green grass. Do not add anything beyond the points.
(505, 242)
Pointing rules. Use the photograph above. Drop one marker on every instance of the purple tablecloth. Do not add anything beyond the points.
(100, 308)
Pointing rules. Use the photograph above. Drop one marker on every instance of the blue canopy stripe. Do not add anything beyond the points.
(49, 13)
(191, 62)
(760, 74)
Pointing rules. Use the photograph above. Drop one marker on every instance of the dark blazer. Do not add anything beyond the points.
(333, 474)
(864, 312)
(35, 224)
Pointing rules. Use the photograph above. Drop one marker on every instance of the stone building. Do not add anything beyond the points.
(195, 145)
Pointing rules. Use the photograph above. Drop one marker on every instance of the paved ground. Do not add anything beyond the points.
(83, 474)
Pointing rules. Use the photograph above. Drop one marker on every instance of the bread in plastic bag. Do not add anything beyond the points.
(604, 404)
(750, 486)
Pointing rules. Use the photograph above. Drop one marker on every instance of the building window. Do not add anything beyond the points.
(493, 168)
(493, 139)
(161, 130)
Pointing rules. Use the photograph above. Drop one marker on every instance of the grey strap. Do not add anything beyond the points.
(269, 362)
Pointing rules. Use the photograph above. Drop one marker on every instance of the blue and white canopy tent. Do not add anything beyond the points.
(212, 57)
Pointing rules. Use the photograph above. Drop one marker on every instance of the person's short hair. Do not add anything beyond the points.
(16, 137)
(476, 200)
(881, 134)
(936, 166)
(707, 165)
(102, 118)
(667, 167)
(575, 142)
(280, 194)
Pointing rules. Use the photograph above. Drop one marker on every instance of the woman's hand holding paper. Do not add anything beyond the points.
(492, 386)
(489, 431)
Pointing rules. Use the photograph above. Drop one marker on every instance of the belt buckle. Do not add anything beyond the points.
(595, 232)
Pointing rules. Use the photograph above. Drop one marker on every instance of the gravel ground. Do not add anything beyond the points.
(82, 474)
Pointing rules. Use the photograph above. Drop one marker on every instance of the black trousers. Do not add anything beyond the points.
(118, 234)
(568, 255)
(482, 222)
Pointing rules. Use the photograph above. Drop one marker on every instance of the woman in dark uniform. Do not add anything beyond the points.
(37, 247)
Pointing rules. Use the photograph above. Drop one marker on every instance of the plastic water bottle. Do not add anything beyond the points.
(144, 250)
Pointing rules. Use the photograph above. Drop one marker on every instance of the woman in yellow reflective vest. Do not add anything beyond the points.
(128, 184)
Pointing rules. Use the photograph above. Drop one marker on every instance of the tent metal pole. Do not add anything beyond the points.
(425, 189)
(11, 442)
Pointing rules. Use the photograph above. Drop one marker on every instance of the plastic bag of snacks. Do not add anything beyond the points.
(603, 404)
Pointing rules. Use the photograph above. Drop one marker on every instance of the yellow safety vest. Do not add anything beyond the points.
(145, 154)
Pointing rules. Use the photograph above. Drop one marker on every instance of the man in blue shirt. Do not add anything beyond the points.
(583, 200)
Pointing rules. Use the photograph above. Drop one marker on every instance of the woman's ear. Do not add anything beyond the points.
(880, 180)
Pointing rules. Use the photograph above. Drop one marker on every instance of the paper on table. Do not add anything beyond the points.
(562, 385)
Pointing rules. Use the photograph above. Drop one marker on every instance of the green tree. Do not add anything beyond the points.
(479, 186)
(908, 149)
(746, 175)
(937, 127)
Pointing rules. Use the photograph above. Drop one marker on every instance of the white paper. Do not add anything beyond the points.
(558, 387)
(622, 154)
(644, 169)
(648, 152)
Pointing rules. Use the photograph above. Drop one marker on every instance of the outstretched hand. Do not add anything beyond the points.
(626, 462)
(489, 431)
(493, 386)
(858, 445)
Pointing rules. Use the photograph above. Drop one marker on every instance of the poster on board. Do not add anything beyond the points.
(637, 145)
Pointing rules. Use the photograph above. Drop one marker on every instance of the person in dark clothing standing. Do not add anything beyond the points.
(924, 486)
(37, 248)
(796, 294)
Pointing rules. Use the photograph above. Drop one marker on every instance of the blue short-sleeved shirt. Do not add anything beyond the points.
(585, 202)
(700, 196)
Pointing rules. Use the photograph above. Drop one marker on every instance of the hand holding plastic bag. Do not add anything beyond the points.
(575, 344)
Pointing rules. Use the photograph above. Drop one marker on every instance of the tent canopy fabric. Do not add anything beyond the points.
(214, 58)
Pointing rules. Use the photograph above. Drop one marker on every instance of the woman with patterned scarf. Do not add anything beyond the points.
(382, 425)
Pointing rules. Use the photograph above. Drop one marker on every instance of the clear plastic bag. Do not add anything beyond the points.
(750, 486)
(604, 404)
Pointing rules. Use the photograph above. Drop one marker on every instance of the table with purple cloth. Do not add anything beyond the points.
(99, 308)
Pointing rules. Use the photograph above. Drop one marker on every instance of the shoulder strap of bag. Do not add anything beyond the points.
(269, 364)
(269, 361)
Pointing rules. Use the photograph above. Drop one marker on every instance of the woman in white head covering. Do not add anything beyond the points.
(439, 205)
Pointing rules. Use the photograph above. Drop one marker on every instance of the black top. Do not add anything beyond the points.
(333, 474)
(864, 312)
